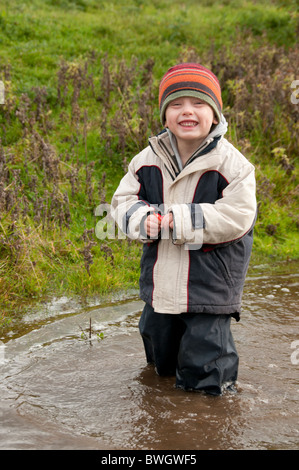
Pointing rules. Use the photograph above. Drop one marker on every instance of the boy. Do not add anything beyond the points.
(190, 198)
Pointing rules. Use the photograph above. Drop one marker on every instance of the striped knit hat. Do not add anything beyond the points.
(190, 80)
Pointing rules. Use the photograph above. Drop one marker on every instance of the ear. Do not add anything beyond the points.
(215, 120)
(165, 116)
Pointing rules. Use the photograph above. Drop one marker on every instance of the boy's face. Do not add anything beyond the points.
(189, 119)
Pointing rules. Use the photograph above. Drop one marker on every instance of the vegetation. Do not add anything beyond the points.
(81, 80)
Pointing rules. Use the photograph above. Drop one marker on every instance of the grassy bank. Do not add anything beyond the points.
(81, 80)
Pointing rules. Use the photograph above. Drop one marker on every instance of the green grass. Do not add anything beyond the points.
(64, 47)
(36, 34)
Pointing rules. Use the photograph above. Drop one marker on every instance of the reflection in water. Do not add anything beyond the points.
(174, 419)
(61, 389)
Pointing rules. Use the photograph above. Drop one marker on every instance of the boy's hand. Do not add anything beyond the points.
(167, 221)
(155, 222)
(152, 225)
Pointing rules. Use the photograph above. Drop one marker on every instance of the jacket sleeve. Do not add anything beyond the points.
(227, 220)
(128, 210)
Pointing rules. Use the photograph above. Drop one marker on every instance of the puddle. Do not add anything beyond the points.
(76, 378)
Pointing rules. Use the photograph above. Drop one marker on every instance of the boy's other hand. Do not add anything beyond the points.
(167, 221)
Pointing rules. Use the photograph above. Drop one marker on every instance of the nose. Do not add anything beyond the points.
(187, 108)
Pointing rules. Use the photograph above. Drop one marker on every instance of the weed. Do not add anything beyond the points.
(68, 133)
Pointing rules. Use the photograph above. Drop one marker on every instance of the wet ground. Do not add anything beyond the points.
(74, 377)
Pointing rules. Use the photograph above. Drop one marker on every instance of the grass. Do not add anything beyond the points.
(81, 81)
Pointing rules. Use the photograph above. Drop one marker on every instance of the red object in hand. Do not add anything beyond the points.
(159, 216)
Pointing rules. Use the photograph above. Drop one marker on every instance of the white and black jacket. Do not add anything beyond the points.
(201, 265)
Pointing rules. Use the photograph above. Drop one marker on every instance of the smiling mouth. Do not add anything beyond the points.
(188, 123)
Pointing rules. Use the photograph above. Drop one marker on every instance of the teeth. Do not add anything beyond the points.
(188, 124)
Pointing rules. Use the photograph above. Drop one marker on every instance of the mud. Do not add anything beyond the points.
(74, 377)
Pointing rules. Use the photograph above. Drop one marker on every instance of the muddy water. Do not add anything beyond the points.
(64, 385)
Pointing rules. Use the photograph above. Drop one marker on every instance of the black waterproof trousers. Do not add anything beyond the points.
(196, 347)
